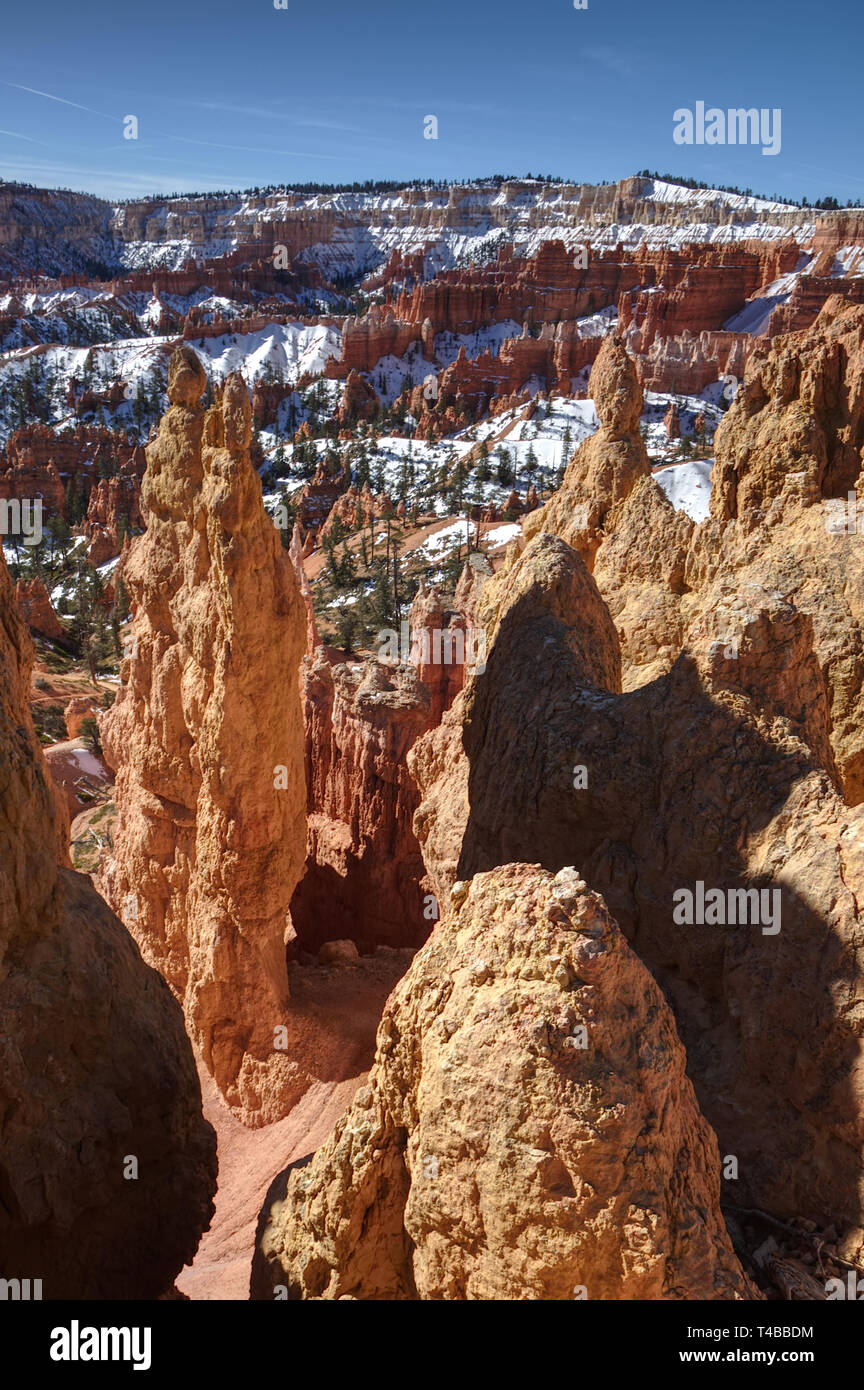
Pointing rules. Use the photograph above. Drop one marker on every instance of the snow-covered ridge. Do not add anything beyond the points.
(678, 193)
(353, 233)
(349, 233)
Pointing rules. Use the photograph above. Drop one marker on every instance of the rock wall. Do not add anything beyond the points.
(34, 605)
(41, 463)
(799, 412)
(96, 1072)
(114, 511)
(741, 660)
(364, 877)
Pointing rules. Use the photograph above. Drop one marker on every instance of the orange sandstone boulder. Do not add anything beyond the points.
(528, 1130)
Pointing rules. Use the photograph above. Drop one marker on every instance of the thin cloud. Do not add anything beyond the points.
(336, 125)
(266, 113)
(16, 135)
(259, 112)
(34, 91)
(255, 149)
(114, 183)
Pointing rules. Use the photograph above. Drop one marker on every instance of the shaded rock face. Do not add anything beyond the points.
(528, 1130)
(438, 639)
(359, 401)
(787, 451)
(365, 880)
(364, 877)
(39, 462)
(799, 411)
(95, 1066)
(115, 509)
(206, 737)
(717, 772)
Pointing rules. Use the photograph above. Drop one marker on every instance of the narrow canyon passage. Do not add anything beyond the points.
(343, 1004)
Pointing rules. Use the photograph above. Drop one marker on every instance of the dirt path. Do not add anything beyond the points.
(345, 1002)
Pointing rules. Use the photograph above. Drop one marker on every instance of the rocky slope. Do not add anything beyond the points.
(528, 1131)
(107, 1166)
(787, 454)
(206, 737)
(729, 727)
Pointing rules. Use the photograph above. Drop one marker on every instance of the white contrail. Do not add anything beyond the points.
(36, 93)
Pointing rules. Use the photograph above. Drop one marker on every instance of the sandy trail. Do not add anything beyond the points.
(342, 1006)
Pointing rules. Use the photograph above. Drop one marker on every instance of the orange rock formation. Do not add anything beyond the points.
(108, 1166)
(206, 736)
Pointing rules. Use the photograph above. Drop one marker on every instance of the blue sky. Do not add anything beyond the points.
(235, 93)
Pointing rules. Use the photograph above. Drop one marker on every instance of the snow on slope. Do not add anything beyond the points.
(292, 349)
(754, 317)
(679, 193)
(688, 487)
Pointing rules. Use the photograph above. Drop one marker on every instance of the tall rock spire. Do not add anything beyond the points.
(207, 739)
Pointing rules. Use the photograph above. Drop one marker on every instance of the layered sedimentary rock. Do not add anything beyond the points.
(787, 453)
(34, 604)
(359, 401)
(39, 462)
(690, 362)
(798, 417)
(700, 289)
(671, 304)
(528, 1131)
(471, 387)
(364, 877)
(440, 647)
(107, 1167)
(658, 291)
(812, 290)
(206, 736)
(319, 496)
(742, 656)
(299, 222)
(114, 511)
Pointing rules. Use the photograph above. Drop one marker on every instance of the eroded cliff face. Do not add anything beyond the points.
(528, 1130)
(715, 773)
(107, 1168)
(207, 739)
(797, 422)
(364, 879)
(787, 454)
